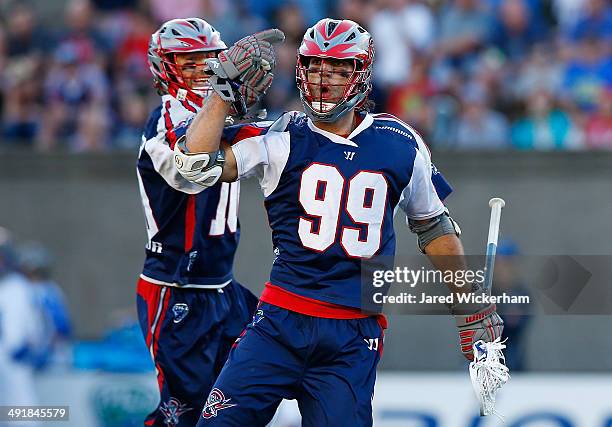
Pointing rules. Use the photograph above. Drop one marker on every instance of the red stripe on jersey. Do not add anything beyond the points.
(304, 305)
(170, 134)
(239, 338)
(188, 106)
(150, 293)
(160, 373)
(190, 221)
(247, 131)
(382, 335)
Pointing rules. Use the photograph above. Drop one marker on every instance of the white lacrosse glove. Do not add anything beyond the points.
(488, 373)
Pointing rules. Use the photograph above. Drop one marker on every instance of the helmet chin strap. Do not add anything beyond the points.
(183, 94)
(332, 115)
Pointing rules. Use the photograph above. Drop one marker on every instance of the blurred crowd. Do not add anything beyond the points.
(468, 74)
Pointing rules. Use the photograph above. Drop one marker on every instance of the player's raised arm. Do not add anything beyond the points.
(241, 76)
(202, 144)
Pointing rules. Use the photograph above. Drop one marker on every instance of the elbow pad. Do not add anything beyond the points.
(203, 169)
(436, 227)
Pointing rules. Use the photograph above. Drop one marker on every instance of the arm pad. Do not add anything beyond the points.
(203, 169)
(436, 227)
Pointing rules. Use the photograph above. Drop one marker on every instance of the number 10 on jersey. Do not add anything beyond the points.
(323, 191)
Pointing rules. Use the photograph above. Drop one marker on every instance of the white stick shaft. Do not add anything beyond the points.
(496, 205)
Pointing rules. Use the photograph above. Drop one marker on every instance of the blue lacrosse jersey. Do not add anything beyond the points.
(192, 232)
(331, 199)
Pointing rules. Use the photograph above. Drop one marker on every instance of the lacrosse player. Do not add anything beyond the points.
(331, 177)
(189, 305)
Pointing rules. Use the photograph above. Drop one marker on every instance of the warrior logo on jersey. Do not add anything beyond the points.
(216, 402)
(172, 410)
(180, 311)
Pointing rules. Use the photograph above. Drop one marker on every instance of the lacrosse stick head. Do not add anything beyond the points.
(488, 373)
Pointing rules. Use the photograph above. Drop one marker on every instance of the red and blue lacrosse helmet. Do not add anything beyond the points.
(175, 37)
(338, 39)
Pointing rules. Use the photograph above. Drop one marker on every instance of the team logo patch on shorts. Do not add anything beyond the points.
(216, 402)
(180, 311)
(258, 317)
(172, 410)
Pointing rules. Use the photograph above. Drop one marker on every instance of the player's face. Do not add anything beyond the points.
(327, 79)
(191, 66)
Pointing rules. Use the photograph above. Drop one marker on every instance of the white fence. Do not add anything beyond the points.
(401, 400)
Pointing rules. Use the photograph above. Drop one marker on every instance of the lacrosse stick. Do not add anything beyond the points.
(488, 371)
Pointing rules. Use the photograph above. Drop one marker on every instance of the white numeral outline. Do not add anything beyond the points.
(322, 241)
(376, 234)
(324, 210)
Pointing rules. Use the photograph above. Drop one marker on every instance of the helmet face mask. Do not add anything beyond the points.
(334, 68)
(189, 70)
(329, 83)
(168, 48)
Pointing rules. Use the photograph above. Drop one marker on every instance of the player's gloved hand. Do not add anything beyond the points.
(255, 85)
(249, 63)
(476, 322)
(251, 52)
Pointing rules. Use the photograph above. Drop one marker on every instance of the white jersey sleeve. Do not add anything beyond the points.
(264, 156)
(170, 127)
(419, 200)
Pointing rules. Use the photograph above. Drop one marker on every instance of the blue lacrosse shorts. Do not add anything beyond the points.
(328, 365)
(189, 333)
